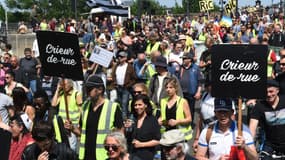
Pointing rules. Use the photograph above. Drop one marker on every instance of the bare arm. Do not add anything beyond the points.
(198, 131)
(201, 153)
(55, 99)
(253, 123)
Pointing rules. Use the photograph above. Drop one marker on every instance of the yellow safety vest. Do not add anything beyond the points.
(56, 130)
(151, 71)
(43, 26)
(150, 49)
(186, 129)
(105, 126)
(73, 108)
(269, 66)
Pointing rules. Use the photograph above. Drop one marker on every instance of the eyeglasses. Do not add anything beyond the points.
(137, 92)
(114, 147)
(282, 64)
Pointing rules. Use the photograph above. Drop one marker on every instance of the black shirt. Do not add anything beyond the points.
(91, 130)
(149, 130)
(273, 120)
(171, 114)
(281, 79)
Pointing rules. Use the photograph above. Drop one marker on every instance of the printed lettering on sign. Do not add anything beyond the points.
(60, 55)
(239, 71)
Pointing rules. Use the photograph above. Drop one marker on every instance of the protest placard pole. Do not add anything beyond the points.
(240, 116)
(65, 98)
(95, 68)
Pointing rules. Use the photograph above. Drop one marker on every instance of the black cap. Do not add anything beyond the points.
(189, 55)
(94, 81)
(272, 83)
(223, 104)
(160, 61)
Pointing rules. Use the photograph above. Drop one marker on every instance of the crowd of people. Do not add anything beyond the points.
(142, 106)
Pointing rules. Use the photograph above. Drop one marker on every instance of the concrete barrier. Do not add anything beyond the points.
(21, 41)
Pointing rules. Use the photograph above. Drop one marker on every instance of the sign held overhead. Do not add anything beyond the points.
(239, 71)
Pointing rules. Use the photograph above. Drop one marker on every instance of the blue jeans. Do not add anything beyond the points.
(123, 99)
(33, 85)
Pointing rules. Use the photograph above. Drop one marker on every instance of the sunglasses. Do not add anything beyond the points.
(114, 147)
(282, 64)
(137, 92)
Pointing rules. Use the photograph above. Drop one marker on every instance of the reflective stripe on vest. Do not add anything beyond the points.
(186, 129)
(105, 126)
(56, 130)
(73, 108)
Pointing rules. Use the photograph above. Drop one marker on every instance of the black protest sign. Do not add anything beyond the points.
(60, 54)
(239, 71)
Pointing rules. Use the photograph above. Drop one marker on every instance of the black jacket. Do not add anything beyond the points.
(59, 152)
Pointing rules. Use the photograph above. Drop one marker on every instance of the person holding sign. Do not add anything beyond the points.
(219, 139)
(74, 101)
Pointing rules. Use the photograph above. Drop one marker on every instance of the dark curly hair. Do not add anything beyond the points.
(145, 100)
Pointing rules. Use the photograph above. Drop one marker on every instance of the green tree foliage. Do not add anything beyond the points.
(2, 13)
(147, 7)
(21, 9)
(193, 5)
(178, 9)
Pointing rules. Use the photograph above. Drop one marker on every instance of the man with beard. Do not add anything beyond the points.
(16, 69)
(190, 78)
(100, 117)
(31, 70)
(174, 145)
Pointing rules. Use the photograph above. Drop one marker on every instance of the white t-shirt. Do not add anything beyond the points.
(120, 73)
(160, 86)
(207, 106)
(220, 143)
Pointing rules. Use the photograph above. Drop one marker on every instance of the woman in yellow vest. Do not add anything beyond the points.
(175, 112)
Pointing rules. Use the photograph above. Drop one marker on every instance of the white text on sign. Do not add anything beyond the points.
(228, 65)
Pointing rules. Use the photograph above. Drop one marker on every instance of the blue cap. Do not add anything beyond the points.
(223, 104)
